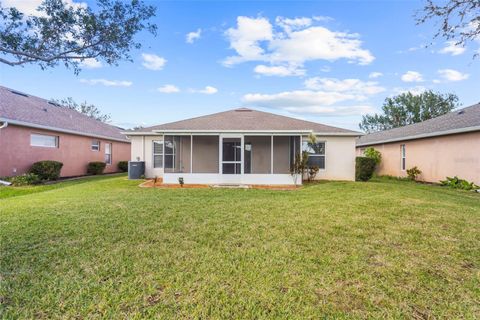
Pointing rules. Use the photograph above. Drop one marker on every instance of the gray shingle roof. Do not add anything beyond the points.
(462, 120)
(33, 111)
(244, 119)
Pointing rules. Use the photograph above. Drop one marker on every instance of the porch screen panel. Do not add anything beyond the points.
(281, 154)
(205, 154)
(260, 150)
(177, 154)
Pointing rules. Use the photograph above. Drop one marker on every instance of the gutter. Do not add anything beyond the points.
(422, 136)
(38, 126)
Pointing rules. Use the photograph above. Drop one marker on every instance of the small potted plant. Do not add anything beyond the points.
(180, 180)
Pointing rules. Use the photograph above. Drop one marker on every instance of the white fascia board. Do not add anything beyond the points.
(39, 126)
(422, 136)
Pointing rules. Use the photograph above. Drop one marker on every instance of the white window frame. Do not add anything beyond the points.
(110, 152)
(57, 139)
(157, 154)
(93, 145)
(324, 155)
(403, 157)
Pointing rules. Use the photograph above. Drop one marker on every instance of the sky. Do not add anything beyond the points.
(324, 61)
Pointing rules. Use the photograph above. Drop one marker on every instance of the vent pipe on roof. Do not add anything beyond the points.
(3, 124)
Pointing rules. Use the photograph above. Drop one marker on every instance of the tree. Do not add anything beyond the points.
(407, 108)
(66, 34)
(88, 109)
(459, 20)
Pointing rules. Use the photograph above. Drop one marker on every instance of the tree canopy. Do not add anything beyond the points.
(68, 35)
(458, 20)
(88, 109)
(407, 108)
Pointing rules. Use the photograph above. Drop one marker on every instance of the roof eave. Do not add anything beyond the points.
(421, 136)
(299, 132)
(39, 126)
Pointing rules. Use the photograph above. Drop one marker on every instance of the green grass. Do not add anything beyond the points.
(105, 248)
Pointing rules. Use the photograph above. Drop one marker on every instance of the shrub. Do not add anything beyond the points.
(47, 170)
(24, 179)
(364, 168)
(413, 173)
(123, 166)
(312, 172)
(373, 154)
(458, 183)
(96, 167)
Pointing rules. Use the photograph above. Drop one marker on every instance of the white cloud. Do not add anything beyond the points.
(452, 75)
(291, 42)
(206, 90)
(374, 75)
(333, 111)
(413, 90)
(192, 36)
(321, 96)
(412, 76)
(168, 88)
(107, 83)
(452, 48)
(353, 86)
(153, 62)
(91, 63)
(281, 71)
(29, 7)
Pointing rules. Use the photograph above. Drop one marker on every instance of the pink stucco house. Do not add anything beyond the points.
(34, 129)
(448, 145)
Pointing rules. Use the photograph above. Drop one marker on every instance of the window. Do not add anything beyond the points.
(316, 153)
(158, 154)
(42, 140)
(95, 145)
(403, 157)
(108, 153)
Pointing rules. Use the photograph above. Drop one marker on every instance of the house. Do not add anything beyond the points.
(34, 129)
(448, 145)
(241, 146)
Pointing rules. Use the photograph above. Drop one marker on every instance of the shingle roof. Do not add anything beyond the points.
(244, 119)
(463, 120)
(21, 108)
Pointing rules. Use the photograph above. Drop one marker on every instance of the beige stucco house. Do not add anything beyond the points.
(448, 145)
(241, 146)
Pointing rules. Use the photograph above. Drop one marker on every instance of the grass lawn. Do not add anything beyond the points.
(104, 248)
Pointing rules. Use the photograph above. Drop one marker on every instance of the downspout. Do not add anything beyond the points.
(4, 124)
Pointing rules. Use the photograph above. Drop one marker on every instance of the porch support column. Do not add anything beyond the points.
(242, 153)
(191, 153)
(271, 154)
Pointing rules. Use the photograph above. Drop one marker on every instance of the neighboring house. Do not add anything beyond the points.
(448, 145)
(241, 146)
(34, 129)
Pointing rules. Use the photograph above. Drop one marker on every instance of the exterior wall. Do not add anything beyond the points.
(339, 158)
(142, 150)
(74, 151)
(437, 157)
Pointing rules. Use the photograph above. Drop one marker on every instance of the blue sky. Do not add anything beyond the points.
(328, 62)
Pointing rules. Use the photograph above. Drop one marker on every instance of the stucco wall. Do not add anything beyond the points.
(437, 157)
(17, 156)
(340, 158)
